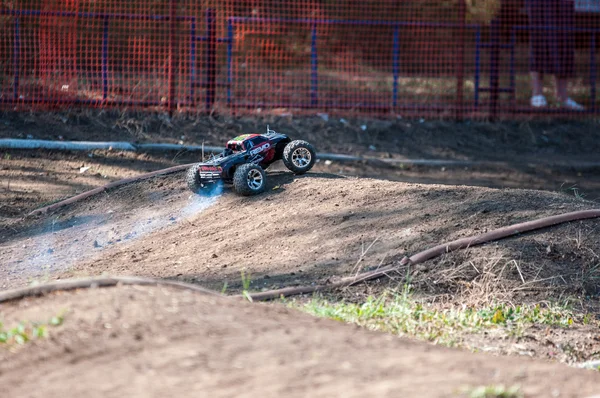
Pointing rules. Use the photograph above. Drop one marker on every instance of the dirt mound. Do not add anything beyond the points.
(306, 230)
(31, 179)
(161, 341)
(309, 229)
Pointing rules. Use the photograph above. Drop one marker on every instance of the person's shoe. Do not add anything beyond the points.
(572, 105)
(539, 101)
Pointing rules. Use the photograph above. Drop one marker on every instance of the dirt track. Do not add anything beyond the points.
(314, 229)
(304, 230)
(146, 341)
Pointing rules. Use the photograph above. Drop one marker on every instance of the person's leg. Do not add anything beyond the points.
(537, 83)
(538, 50)
(564, 56)
(562, 94)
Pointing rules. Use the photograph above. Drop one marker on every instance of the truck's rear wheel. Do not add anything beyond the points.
(197, 185)
(299, 156)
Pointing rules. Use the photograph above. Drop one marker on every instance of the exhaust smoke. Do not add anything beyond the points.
(59, 244)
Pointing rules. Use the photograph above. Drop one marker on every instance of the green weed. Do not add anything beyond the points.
(28, 331)
(495, 391)
(577, 193)
(400, 313)
(246, 281)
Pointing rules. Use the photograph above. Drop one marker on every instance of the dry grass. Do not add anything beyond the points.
(481, 280)
(480, 298)
(536, 268)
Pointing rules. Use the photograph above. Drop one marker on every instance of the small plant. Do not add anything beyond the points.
(592, 275)
(577, 193)
(495, 391)
(27, 331)
(246, 281)
(57, 320)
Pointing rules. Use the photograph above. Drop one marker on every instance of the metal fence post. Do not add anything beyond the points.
(314, 67)
(494, 66)
(460, 61)
(192, 61)
(395, 65)
(593, 71)
(105, 59)
(229, 59)
(513, 72)
(477, 64)
(211, 58)
(172, 64)
(16, 56)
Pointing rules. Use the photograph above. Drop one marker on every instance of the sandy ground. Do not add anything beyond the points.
(303, 230)
(146, 341)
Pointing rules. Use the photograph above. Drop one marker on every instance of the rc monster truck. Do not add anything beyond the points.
(244, 160)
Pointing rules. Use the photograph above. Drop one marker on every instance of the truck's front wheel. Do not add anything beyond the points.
(249, 179)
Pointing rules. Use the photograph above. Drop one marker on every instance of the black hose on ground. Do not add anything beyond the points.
(497, 234)
(85, 195)
(85, 283)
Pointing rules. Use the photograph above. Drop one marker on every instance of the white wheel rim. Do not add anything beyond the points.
(255, 179)
(301, 157)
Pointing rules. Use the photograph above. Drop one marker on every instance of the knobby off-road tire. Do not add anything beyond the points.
(299, 156)
(249, 179)
(193, 179)
(195, 183)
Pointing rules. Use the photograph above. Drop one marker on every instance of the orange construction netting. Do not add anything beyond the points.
(452, 58)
